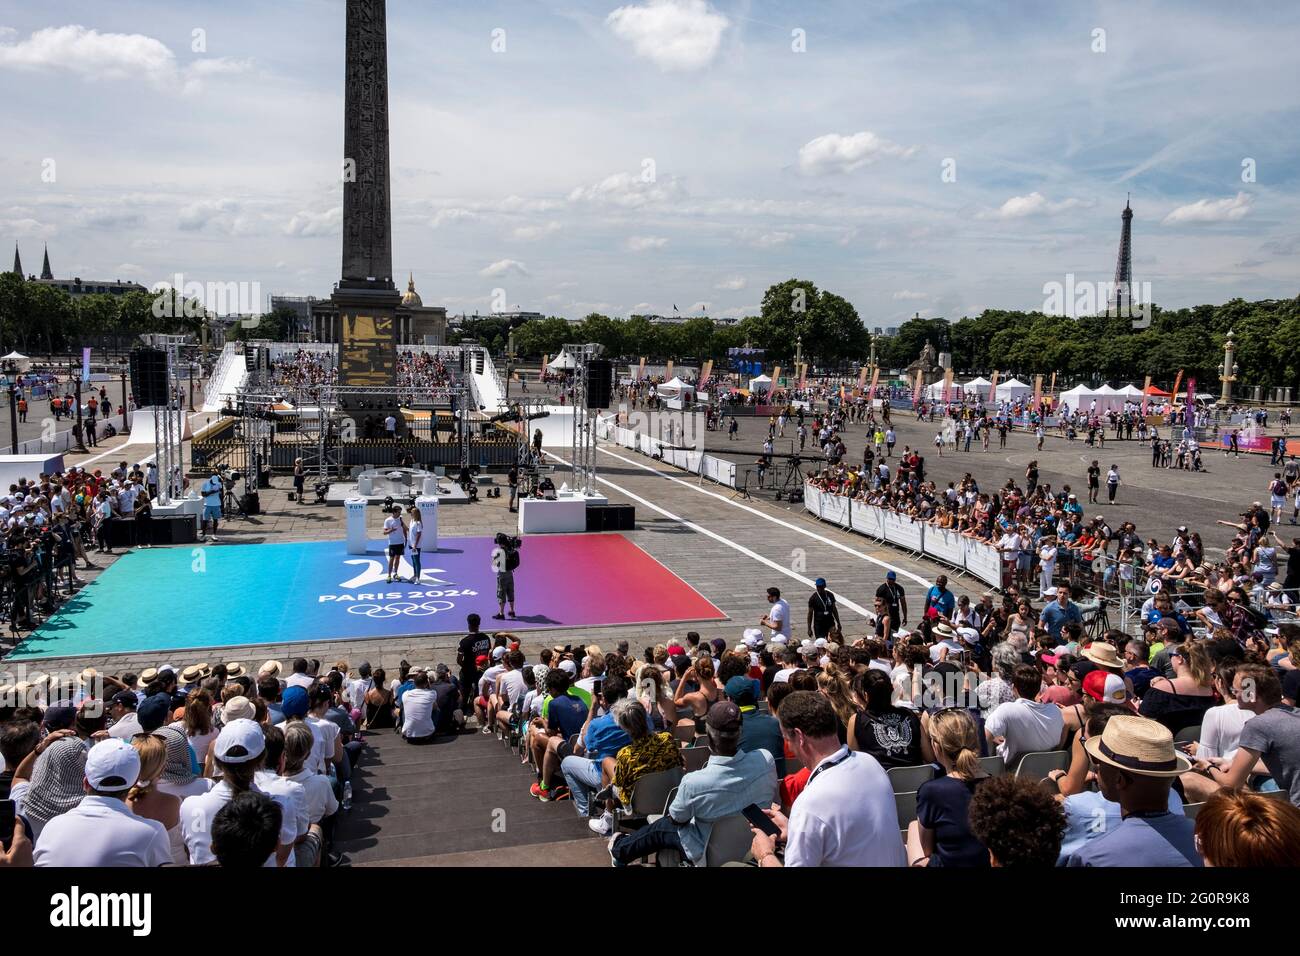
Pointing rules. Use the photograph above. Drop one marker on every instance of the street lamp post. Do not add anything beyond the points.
(126, 412)
(194, 366)
(13, 416)
(81, 445)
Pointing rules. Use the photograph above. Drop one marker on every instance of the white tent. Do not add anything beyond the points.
(761, 384)
(979, 384)
(1013, 389)
(21, 361)
(674, 388)
(1131, 391)
(563, 361)
(1078, 397)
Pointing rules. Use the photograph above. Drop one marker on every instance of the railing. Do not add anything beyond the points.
(212, 390)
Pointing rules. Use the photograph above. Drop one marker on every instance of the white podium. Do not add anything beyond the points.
(429, 519)
(567, 514)
(356, 511)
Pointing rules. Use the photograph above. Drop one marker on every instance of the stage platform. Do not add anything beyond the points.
(231, 595)
(449, 493)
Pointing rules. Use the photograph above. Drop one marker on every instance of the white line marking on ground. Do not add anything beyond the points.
(857, 609)
(785, 524)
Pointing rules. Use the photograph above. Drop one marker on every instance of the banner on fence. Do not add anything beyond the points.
(946, 545)
(866, 520)
(903, 531)
(982, 561)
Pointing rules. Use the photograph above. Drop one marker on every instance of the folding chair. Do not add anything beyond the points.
(905, 804)
(649, 795)
(1188, 735)
(695, 757)
(684, 733)
(908, 779)
(1038, 764)
(729, 841)
(993, 766)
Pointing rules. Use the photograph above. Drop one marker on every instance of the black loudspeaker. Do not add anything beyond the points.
(600, 383)
(622, 518)
(149, 377)
(478, 363)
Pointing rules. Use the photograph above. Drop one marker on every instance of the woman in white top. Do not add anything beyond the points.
(1221, 725)
(1047, 568)
(414, 534)
(146, 800)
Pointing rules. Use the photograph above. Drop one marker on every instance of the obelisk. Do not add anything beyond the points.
(365, 296)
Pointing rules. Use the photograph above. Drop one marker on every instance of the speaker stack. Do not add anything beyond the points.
(600, 383)
(149, 376)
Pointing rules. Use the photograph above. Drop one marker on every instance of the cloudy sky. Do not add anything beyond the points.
(924, 157)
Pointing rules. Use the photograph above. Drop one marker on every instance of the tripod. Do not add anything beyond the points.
(793, 476)
(742, 490)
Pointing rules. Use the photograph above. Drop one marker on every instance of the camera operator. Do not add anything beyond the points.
(505, 559)
(23, 572)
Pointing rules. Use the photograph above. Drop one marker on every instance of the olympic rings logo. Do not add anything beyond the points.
(407, 608)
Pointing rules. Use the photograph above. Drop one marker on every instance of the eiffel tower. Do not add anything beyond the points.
(1122, 304)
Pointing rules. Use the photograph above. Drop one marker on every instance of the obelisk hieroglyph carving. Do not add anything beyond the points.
(366, 297)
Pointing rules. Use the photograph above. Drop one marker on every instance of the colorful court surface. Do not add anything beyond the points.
(230, 595)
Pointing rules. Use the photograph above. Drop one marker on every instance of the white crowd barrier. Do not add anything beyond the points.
(977, 558)
(697, 463)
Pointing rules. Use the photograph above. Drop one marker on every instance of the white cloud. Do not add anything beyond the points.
(23, 228)
(503, 267)
(108, 217)
(836, 153)
(111, 56)
(328, 223)
(626, 190)
(764, 240)
(128, 268)
(1035, 204)
(643, 243)
(905, 295)
(1212, 210)
(533, 233)
(733, 284)
(221, 214)
(675, 35)
(451, 214)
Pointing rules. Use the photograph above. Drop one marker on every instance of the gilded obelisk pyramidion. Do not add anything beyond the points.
(365, 295)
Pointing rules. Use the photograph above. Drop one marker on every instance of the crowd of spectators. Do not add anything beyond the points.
(200, 765)
(49, 525)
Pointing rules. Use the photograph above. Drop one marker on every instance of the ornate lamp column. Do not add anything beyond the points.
(1228, 371)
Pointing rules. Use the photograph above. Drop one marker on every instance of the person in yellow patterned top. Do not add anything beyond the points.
(647, 753)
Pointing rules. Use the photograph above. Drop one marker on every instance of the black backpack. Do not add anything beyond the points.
(512, 559)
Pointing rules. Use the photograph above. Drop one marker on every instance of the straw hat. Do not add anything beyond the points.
(148, 675)
(270, 669)
(944, 631)
(194, 672)
(88, 675)
(1138, 745)
(234, 670)
(1103, 655)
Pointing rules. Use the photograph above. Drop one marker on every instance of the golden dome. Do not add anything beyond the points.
(412, 298)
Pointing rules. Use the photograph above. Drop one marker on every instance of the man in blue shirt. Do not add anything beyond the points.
(601, 738)
(1059, 612)
(1136, 765)
(940, 598)
(729, 782)
(563, 715)
(757, 731)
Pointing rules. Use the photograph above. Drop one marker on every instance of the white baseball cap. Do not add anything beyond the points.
(240, 741)
(498, 653)
(112, 766)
